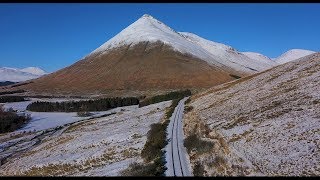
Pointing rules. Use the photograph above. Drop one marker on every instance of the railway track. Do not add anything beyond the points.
(177, 163)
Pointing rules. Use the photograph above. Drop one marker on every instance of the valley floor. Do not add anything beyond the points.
(96, 147)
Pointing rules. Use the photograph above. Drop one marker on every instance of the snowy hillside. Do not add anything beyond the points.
(261, 58)
(292, 54)
(17, 75)
(227, 55)
(267, 124)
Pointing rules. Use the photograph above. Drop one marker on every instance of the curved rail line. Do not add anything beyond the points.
(175, 129)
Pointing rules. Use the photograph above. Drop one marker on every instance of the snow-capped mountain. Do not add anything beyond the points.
(292, 54)
(149, 29)
(34, 70)
(17, 75)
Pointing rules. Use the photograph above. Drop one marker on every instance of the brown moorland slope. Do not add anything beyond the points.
(131, 70)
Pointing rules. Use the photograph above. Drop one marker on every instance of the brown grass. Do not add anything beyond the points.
(238, 120)
(131, 69)
(240, 136)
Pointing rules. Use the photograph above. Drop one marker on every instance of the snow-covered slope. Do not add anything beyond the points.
(266, 124)
(292, 54)
(227, 55)
(149, 29)
(261, 58)
(17, 75)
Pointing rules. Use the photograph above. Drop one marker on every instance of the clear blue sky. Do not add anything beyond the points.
(53, 36)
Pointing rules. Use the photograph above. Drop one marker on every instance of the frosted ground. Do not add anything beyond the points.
(266, 125)
(45, 120)
(100, 147)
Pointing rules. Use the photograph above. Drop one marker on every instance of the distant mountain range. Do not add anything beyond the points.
(18, 75)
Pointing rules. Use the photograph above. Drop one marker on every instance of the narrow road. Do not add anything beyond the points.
(176, 155)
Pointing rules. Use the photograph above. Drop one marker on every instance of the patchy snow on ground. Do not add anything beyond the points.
(19, 106)
(96, 147)
(45, 120)
(266, 124)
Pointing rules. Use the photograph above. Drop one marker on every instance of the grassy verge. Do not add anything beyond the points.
(194, 143)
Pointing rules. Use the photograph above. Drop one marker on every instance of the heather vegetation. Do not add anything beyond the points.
(188, 109)
(194, 143)
(81, 106)
(198, 169)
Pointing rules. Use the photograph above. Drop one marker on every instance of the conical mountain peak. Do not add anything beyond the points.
(149, 29)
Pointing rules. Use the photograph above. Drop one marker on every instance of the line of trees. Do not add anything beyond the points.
(165, 97)
(4, 99)
(88, 105)
(12, 92)
(10, 120)
(6, 83)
